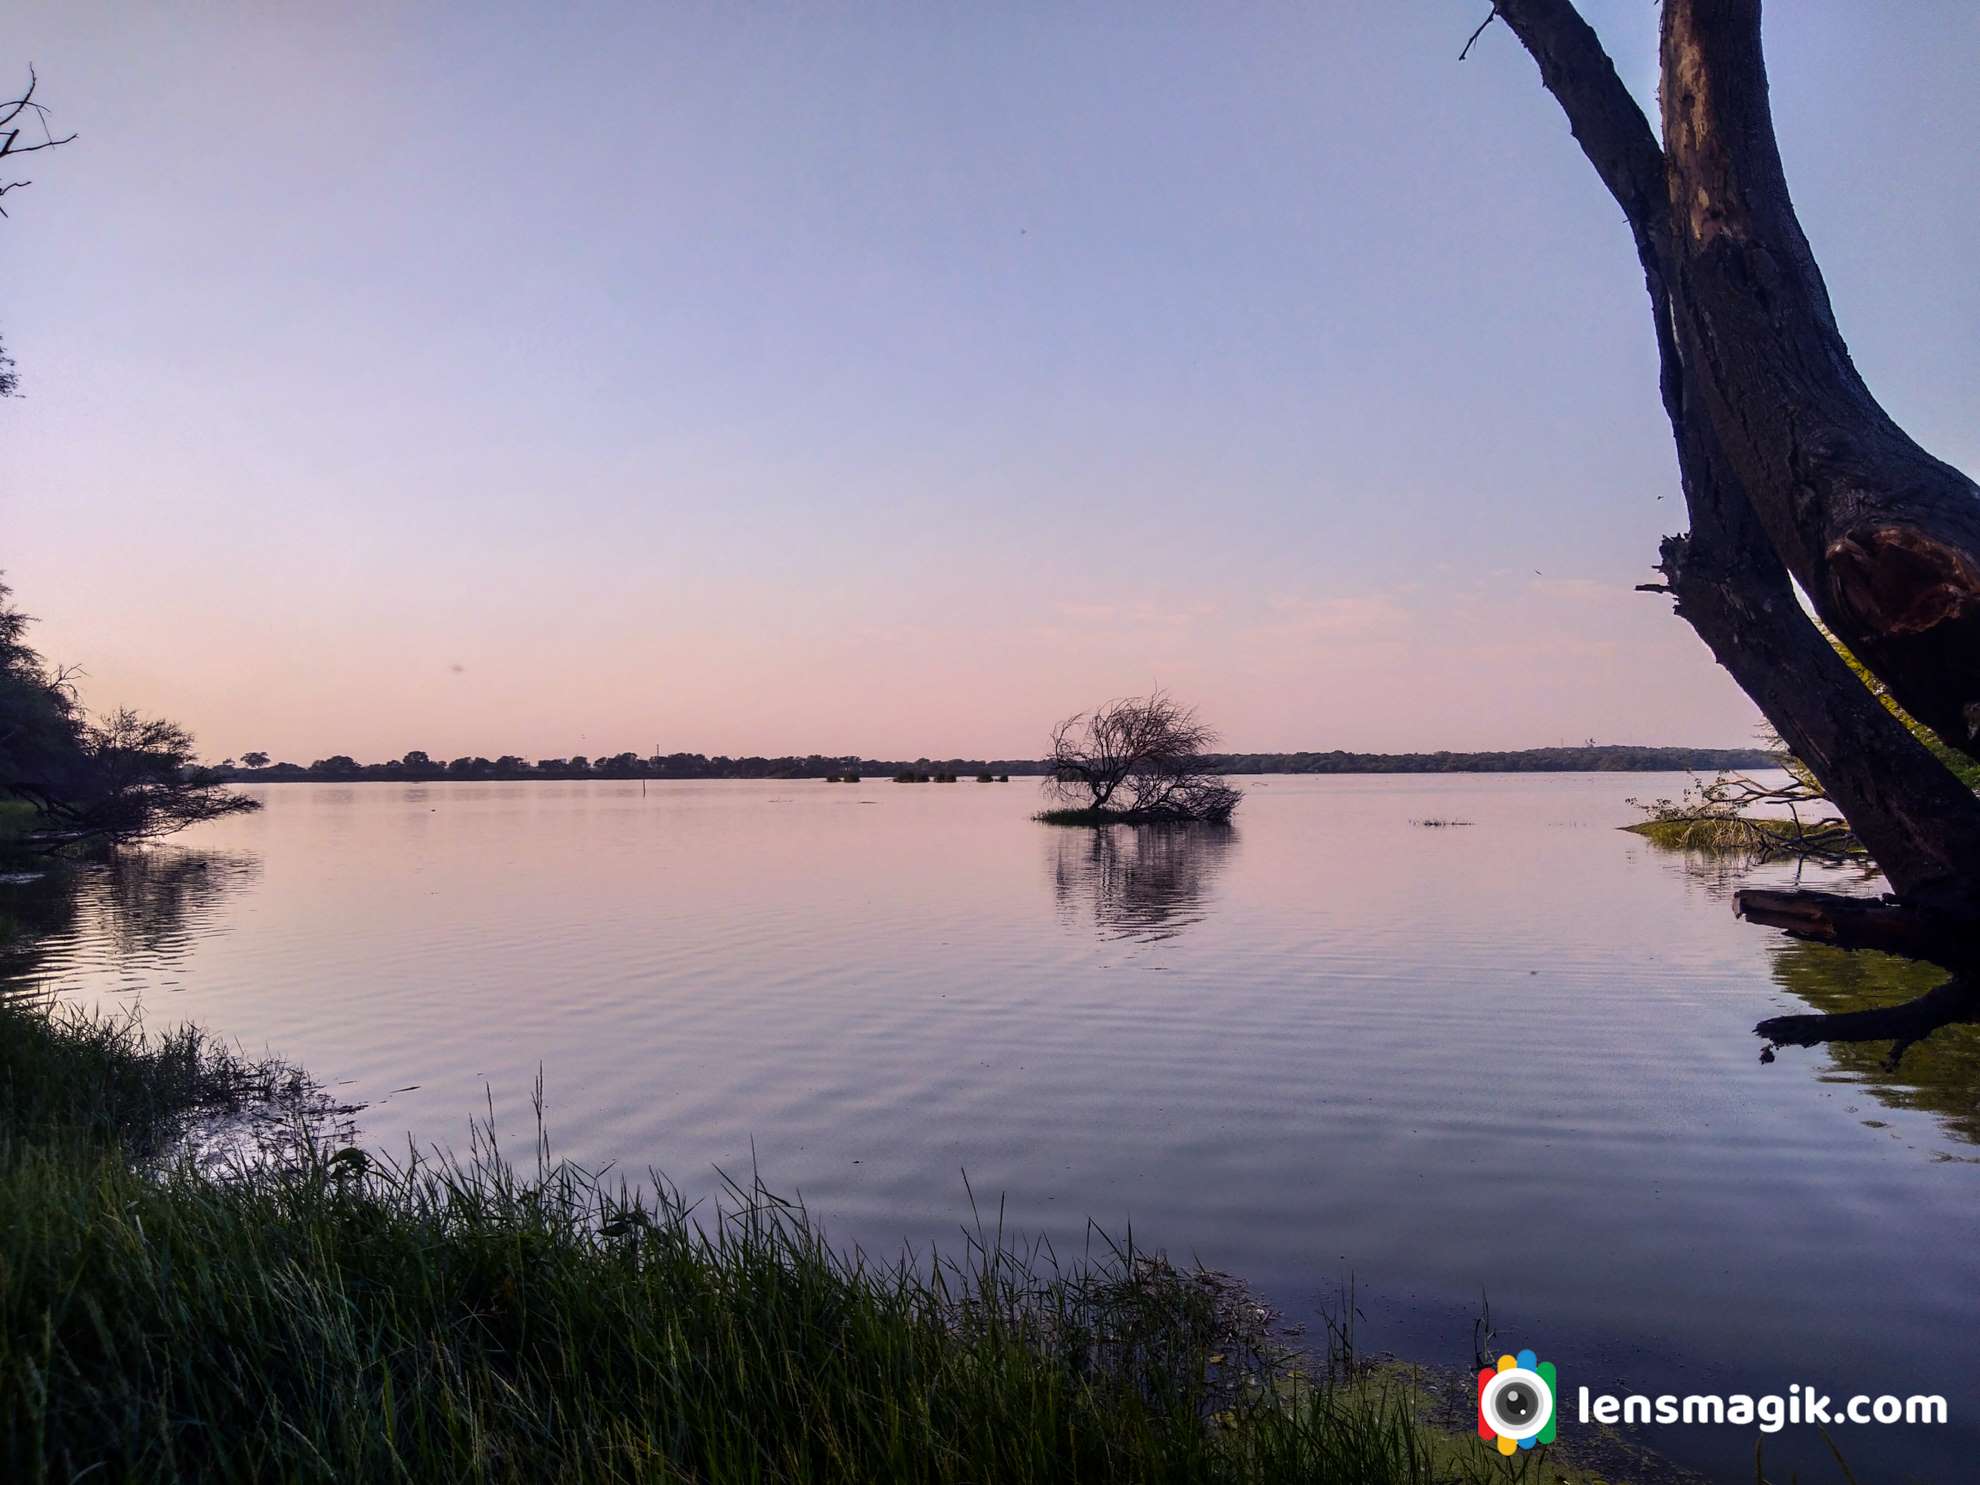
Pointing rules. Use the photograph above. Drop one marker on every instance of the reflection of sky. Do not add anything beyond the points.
(1346, 1045)
(892, 380)
(1940, 1074)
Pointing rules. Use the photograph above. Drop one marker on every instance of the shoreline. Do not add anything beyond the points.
(309, 1305)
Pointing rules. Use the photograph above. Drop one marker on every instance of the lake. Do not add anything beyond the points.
(1510, 1059)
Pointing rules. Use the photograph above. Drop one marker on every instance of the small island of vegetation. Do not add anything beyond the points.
(1137, 760)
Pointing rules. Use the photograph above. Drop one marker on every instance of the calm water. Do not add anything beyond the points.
(1513, 1058)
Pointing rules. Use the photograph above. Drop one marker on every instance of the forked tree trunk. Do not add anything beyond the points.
(1788, 464)
(1883, 537)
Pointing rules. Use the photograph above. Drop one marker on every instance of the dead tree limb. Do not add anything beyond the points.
(10, 132)
(1862, 923)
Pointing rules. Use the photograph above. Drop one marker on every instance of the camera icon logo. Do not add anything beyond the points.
(1516, 1402)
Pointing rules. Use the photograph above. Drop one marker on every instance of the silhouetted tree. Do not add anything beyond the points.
(40, 721)
(16, 117)
(125, 777)
(1792, 472)
(1138, 758)
(138, 777)
(254, 760)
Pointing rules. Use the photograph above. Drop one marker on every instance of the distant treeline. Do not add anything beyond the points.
(420, 766)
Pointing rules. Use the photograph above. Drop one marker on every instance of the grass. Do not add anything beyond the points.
(17, 818)
(99, 1083)
(327, 1316)
(1714, 832)
(1078, 817)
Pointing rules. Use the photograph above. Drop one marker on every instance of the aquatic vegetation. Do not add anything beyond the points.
(1715, 816)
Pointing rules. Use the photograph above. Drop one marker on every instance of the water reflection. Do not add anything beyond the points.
(136, 914)
(1930, 1061)
(1905, 1030)
(36, 902)
(1145, 882)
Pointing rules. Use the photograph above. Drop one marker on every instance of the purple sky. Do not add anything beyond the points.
(894, 379)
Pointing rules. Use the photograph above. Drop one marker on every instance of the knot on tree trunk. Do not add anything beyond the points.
(1900, 581)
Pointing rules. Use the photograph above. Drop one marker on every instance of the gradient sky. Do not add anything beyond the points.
(892, 379)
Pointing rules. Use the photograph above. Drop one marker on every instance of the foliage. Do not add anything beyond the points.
(40, 722)
(1713, 816)
(336, 1316)
(1138, 759)
(121, 777)
(141, 779)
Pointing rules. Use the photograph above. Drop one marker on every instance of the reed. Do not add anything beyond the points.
(334, 1316)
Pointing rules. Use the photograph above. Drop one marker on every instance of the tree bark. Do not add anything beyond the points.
(1883, 537)
(1730, 575)
(1862, 923)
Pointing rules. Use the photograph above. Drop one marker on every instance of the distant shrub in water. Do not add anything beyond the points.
(1138, 760)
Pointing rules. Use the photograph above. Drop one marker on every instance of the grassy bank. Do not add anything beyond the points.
(323, 1318)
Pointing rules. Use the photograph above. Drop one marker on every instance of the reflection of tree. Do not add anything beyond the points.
(1900, 1028)
(132, 906)
(1144, 881)
(35, 904)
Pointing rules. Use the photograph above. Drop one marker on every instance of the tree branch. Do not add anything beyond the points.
(1601, 114)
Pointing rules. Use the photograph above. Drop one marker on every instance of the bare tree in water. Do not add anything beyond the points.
(1138, 759)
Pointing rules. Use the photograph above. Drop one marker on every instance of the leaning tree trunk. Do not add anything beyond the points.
(1884, 538)
(1788, 465)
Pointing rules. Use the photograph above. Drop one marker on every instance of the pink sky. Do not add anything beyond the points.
(892, 383)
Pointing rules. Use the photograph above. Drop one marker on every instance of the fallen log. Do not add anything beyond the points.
(1880, 923)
